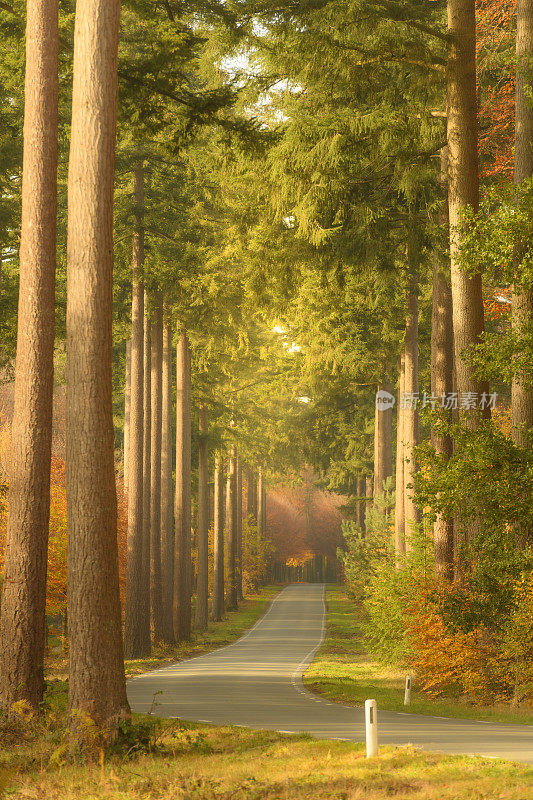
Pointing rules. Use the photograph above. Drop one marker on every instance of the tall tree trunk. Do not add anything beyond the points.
(382, 443)
(127, 404)
(238, 564)
(147, 460)
(522, 300)
(156, 384)
(442, 381)
(167, 505)
(260, 503)
(251, 495)
(361, 503)
(22, 618)
(463, 188)
(399, 509)
(410, 411)
(96, 677)
(231, 529)
(135, 645)
(203, 522)
(369, 492)
(217, 610)
(182, 569)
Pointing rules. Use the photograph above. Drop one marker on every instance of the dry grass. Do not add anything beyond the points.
(223, 763)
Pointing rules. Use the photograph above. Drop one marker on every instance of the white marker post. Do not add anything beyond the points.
(371, 719)
(407, 696)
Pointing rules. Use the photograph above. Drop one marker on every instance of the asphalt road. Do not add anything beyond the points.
(256, 682)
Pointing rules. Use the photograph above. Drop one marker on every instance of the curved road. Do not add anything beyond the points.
(256, 682)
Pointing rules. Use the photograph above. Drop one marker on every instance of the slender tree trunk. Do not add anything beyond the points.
(522, 300)
(96, 677)
(183, 569)
(251, 495)
(361, 503)
(369, 495)
(410, 412)
(167, 505)
(22, 618)
(238, 565)
(260, 502)
(127, 404)
(156, 383)
(463, 189)
(135, 645)
(203, 522)
(442, 382)
(399, 510)
(382, 443)
(217, 610)
(147, 460)
(231, 529)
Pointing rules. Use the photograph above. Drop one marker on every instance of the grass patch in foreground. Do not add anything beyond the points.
(200, 762)
(343, 671)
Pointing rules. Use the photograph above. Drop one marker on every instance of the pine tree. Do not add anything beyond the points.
(96, 677)
(22, 617)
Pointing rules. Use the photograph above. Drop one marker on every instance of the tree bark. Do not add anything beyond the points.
(22, 618)
(260, 503)
(382, 444)
(238, 565)
(399, 510)
(183, 569)
(156, 384)
(147, 460)
(135, 645)
(127, 404)
(442, 383)
(368, 492)
(167, 505)
(203, 522)
(361, 503)
(522, 299)
(410, 412)
(463, 189)
(231, 529)
(251, 495)
(96, 677)
(217, 610)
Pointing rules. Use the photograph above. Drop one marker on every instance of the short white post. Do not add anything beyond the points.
(407, 696)
(371, 719)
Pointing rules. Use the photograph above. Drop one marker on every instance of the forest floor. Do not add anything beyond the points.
(344, 671)
(170, 759)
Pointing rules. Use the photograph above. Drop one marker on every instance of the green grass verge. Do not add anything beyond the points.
(224, 763)
(344, 671)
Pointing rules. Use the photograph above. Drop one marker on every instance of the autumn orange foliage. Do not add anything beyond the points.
(56, 595)
(484, 663)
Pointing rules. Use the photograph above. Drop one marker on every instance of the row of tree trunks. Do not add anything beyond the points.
(22, 618)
